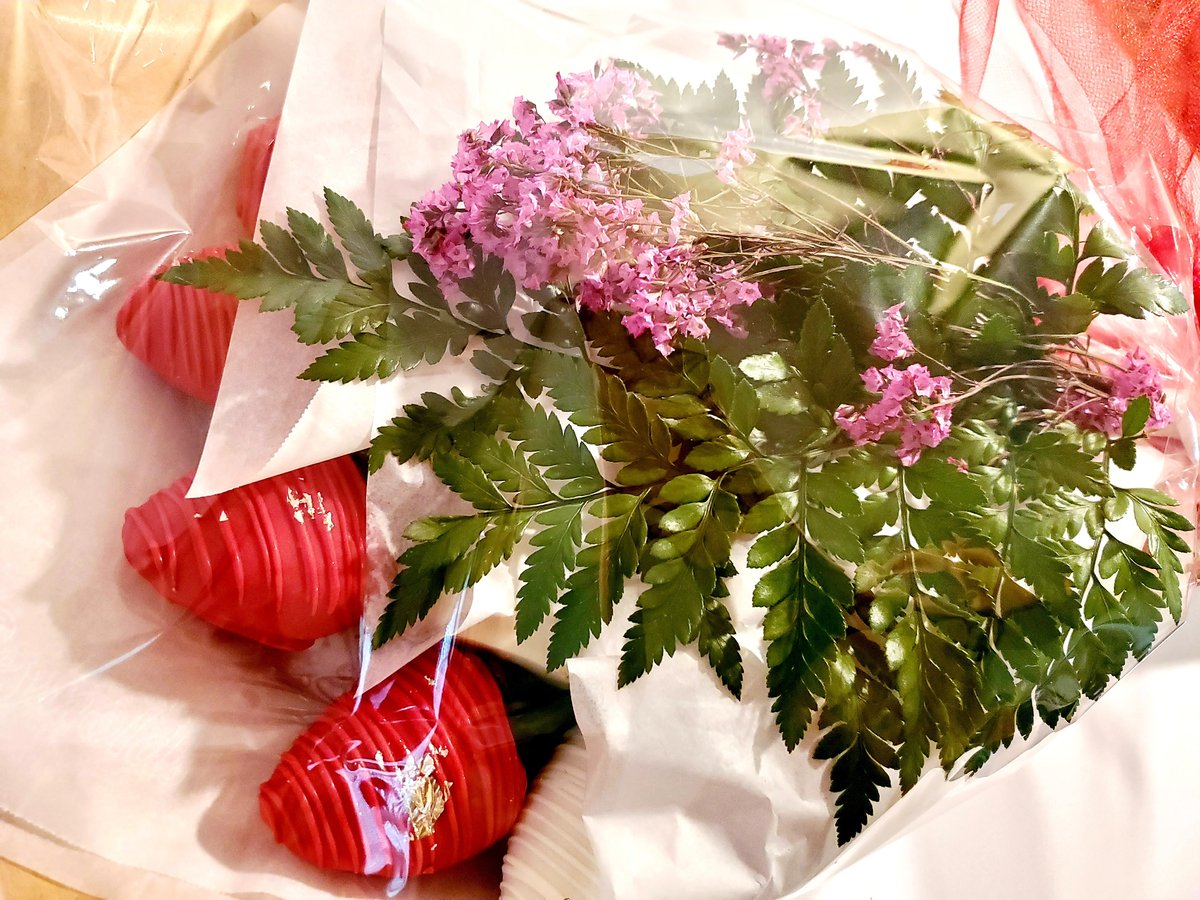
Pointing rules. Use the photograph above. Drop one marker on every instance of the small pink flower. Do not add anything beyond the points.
(1094, 413)
(900, 384)
(850, 422)
(1160, 416)
(1139, 378)
(918, 434)
(612, 96)
(786, 66)
(525, 115)
(680, 208)
(734, 153)
(439, 235)
(893, 341)
(914, 405)
(911, 443)
(925, 385)
(1136, 378)
(960, 464)
(884, 414)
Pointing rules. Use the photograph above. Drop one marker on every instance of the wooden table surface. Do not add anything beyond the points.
(21, 884)
(78, 79)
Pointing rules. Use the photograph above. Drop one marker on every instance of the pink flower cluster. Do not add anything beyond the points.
(537, 195)
(614, 97)
(520, 191)
(893, 341)
(1136, 378)
(670, 293)
(913, 404)
(788, 68)
(734, 153)
(785, 64)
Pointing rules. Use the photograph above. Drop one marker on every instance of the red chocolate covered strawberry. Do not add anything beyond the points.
(278, 561)
(180, 332)
(420, 773)
(252, 176)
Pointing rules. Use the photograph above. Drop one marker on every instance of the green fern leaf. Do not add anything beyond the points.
(544, 574)
(595, 587)
(366, 249)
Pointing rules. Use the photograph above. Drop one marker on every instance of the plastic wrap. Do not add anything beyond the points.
(81, 78)
(642, 768)
(153, 731)
(803, 421)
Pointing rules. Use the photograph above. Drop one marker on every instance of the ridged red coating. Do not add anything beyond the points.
(279, 561)
(180, 332)
(339, 796)
(252, 173)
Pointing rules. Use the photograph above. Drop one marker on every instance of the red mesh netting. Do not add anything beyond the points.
(1124, 83)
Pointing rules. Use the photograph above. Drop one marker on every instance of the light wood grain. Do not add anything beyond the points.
(78, 79)
(21, 884)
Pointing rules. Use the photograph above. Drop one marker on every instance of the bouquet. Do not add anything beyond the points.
(848, 352)
(758, 428)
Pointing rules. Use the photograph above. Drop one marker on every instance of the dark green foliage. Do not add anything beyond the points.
(861, 716)
(806, 600)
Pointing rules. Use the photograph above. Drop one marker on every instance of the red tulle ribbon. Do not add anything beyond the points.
(1127, 68)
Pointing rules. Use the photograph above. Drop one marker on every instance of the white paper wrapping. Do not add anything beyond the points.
(266, 420)
(549, 854)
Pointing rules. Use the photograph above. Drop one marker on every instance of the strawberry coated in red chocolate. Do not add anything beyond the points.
(418, 774)
(252, 175)
(279, 561)
(180, 332)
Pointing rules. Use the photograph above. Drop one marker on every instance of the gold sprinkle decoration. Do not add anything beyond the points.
(427, 801)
